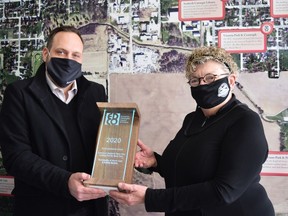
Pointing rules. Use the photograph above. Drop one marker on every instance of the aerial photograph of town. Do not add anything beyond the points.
(147, 37)
(141, 36)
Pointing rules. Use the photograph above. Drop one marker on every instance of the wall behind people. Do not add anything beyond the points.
(139, 51)
(164, 99)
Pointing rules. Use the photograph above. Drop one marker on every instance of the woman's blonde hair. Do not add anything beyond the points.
(203, 54)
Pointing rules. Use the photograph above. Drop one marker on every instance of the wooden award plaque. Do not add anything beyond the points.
(116, 145)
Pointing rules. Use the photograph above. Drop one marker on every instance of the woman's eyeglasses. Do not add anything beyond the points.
(208, 78)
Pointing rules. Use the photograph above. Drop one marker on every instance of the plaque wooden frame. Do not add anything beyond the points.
(116, 145)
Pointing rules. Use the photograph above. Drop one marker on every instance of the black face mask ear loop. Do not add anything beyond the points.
(227, 67)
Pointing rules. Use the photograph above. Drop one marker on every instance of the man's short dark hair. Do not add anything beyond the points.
(62, 29)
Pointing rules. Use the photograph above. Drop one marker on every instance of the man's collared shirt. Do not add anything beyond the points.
(59, 91)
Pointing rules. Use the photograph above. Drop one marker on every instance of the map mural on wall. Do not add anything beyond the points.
(151, 36)
(145, 36)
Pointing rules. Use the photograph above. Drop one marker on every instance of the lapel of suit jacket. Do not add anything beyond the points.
(40, 89)
(83, 86)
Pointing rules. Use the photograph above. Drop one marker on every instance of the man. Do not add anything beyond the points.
(48, 128)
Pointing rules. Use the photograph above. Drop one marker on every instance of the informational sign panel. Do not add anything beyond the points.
(242, 40)
(201, 10)
(6, 185)
(279, 8)
(276, 164)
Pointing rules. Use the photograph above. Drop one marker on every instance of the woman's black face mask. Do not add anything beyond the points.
(211, 95)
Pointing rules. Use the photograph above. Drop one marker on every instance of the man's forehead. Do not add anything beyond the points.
(67, 37)
(67, 41)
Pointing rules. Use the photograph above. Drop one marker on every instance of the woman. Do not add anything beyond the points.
(212, 165)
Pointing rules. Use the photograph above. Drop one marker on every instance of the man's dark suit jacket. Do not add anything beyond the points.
(35, 144)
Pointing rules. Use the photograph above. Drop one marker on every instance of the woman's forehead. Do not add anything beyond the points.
(209, 67)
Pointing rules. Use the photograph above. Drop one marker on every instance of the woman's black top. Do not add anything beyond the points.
(212, 166)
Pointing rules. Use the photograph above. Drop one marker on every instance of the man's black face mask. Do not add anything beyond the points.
(63, 71)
